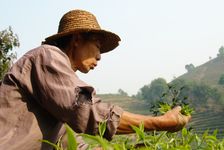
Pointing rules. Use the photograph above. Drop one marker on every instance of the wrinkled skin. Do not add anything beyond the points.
(171, 121)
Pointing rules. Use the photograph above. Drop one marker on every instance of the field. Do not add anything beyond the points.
(208, 120)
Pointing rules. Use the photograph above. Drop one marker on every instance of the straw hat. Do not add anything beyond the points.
(78, 21)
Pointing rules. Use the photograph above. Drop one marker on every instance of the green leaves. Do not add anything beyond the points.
(171, 99)
(71, 141)
(96, 141)
(139, 132)
(164, 107)
(55, 146)
(184, 140)
(8, 40)
(72, 144)
(186, 110)
(102, 128)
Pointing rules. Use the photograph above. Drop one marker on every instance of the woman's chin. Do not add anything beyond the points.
(84, 71)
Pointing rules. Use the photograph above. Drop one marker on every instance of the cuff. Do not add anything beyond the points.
(113, 122)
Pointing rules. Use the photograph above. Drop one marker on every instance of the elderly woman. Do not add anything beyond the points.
(41, 91)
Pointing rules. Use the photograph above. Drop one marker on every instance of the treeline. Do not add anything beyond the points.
(200, 95)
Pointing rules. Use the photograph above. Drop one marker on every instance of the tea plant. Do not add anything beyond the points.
(182, 140)
(72, 143)
(171, 99)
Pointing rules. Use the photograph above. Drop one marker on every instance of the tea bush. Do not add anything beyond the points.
(185, 139)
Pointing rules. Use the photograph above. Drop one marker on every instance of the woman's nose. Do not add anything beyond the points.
(98, 57)
(95, 63)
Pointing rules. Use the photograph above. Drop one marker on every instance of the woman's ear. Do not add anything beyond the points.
(76, 39)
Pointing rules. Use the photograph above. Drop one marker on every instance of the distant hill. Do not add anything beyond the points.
(208, 73)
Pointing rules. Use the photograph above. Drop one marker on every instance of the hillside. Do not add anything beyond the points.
(208, 72)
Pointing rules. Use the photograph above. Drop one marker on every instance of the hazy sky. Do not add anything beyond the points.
(159, 37)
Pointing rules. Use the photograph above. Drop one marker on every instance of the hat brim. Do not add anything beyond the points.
(108, 40)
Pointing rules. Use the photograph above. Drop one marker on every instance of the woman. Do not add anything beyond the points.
(41, 91)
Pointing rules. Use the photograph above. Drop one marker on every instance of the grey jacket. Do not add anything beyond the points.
(40, 93)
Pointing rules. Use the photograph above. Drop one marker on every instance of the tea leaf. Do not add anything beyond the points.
(164, 108)
(102, 128)
(96, 140)
(184, 132)
(52, 144)
(140, 134)
(72, 144)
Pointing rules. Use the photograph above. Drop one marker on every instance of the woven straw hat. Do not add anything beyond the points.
(78, 21)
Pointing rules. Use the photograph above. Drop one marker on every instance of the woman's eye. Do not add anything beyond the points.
(98, 45)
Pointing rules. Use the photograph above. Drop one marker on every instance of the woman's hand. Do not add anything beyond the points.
(173, 120)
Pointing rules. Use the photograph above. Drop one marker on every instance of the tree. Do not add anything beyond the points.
(189, 67)
(221, 52)
(8, 41)
(122, 92)
(153, 91)
(198, 93)
(221, 79)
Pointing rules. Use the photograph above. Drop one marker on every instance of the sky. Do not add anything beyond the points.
(158, 37)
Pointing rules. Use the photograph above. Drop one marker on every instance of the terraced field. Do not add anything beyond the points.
(126, 102)
(208, 120)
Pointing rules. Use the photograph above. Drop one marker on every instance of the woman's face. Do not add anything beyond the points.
(86, 55)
